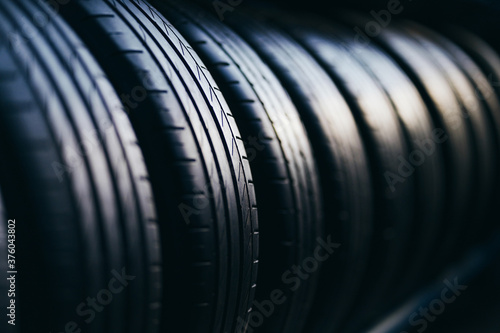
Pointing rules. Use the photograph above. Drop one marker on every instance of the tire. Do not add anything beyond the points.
(384, 139)
(286, 178)
(74, 179)
(340, 154)
(479, 128)
(457, 147)
(425, 156)
(482, 64)
(195, 156)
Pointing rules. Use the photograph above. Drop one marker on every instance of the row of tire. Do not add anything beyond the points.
(138, 142)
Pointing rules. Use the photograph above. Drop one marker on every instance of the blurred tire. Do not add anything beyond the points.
(479, 128)
(447, 116)
(425, 156)
(339, 152)
(74, 179)
(382, 134)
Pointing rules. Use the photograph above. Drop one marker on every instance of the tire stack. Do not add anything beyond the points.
(181, 167)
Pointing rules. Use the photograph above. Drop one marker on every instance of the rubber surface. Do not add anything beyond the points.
(196, 158)
(339, 152)
(487, 84)
(286, 178)
(479, 128)
(447, 115)
(425, 157)
(383, 136)
(76, 183)
(130, 138)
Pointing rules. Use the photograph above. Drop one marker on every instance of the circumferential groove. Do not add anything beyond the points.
(238, 167)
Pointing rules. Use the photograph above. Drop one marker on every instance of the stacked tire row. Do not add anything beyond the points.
(172, 172)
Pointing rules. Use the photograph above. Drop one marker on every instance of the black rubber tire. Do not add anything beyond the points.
(483, 54)
(480, 56)
(479, 129)
(384, 139)
(425, 156)
(285, 174)
(74, 179)
(447, 115)
(196, 158)
(341, 158)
